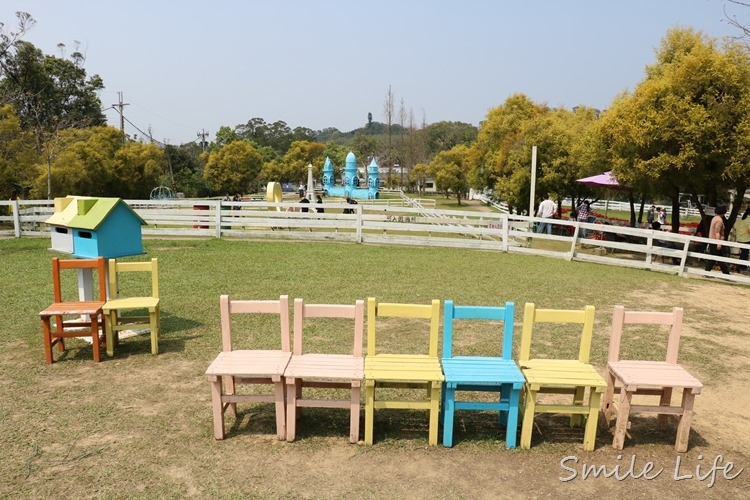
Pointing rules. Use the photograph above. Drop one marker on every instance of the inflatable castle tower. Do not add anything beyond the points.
(351, 187)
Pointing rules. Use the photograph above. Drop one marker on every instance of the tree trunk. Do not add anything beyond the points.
(676, 211)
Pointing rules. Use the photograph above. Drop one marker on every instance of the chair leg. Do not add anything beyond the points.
(354, 419)
(442, 404)
(528, 418)
(217, 407)
(95, 341)
(229, 389)
(623, 414)
(280, 390)
(683, 428)
(109, 332)
(291, 409)
(664, 400)
(592, 421)
(369, 410)
(154, 322)
(46, 330)
(576, 419)
(609, 397)
(434, 411)
(59, 328)
(505, 394)
(511, 425)
(449, 408)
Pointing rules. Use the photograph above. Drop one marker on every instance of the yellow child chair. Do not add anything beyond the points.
(118, 303)
(560, 376)
(403, 371)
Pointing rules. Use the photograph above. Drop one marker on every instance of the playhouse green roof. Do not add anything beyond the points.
(94, 212)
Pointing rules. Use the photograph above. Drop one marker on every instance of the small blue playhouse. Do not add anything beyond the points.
(351, 187)
(95, 227)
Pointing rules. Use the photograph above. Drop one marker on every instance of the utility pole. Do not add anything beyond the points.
(119, 106)
(203, 134)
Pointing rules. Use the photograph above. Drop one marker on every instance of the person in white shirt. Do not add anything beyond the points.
(546, 211)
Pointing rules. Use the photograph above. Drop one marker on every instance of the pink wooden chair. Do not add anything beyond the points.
(329, 371)
(249, 366)
(650, 378)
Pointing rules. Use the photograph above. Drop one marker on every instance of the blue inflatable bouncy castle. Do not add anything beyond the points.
(351, 187)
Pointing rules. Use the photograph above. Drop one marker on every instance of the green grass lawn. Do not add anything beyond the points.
(140, 425)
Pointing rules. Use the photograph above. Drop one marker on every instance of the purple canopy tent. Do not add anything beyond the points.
(606, 180)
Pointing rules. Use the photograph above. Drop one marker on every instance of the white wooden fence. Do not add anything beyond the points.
(402, 225)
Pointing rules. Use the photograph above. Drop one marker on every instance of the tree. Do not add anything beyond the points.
(685, 126)
(17, 154)
(49, 93)
(442, 136)
(450, 170)
(95, 162)
(418, 175)
(502, 152)
(365, 147)
(233, 168)
(301, 154)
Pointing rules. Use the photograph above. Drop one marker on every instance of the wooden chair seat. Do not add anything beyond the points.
(654, 375)
(481, 370)
(562, 373)
(250, 364)
(403, 368)
(326, 367)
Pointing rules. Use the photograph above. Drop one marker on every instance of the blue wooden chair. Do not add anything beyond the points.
(498, 375)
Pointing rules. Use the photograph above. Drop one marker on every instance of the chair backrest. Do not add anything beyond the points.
(98, 264)
(584, 317)
(229, 307)
(354, 311)
(417, 311)
(673, 320)
(492, 313)
(115, 268)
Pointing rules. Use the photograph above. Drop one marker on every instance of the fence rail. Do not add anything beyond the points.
(398, 224)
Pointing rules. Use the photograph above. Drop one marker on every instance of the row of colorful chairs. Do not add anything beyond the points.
(515, 382)
(99, 318)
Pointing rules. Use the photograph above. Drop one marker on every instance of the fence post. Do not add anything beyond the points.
(505, 231)
(359, 223)
(16, 219)
(218, 218)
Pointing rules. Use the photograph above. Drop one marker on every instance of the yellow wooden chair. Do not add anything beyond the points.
(325, 371)
(119, 303)
(402, 371)
(649, 378)
(560, 376)
(249, 366)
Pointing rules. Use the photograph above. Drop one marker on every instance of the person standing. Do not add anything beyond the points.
(663, 216)
(650, 215)
(303, 199)
(546, 211)
(742, 234)
(716, 232)
(319, 202)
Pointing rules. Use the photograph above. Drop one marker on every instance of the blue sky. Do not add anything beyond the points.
(189, 66)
